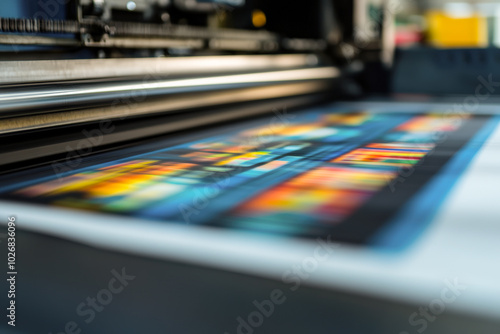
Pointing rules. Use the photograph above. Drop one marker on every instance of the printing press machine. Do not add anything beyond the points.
(243, 166)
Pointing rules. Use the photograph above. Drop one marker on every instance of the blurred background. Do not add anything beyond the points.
(436, 23)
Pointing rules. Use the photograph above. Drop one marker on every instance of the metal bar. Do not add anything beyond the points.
(135, 42)
(37, 40)
(35, 101)
(176, 103)
(157, 128)
(12, 72)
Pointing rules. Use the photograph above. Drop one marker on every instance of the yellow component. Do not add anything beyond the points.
(258, 18)
(239, 158)
(74, 186)
(109, 189)
(347, 119)
(449, 32)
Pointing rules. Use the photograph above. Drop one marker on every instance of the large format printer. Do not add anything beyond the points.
(243, 166)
